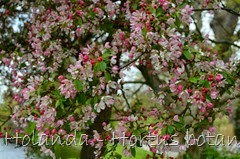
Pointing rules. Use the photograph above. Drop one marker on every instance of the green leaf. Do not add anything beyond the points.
(80, 22)
(78, 111)
(208, 97)
(20, 54)
(107, 76)
(170, 129)
(135, 6)
(36, 112)
(144, 32)
(177, 22)
(193, 79)
(57, 103)
(133, 151)
(57, 150)
(102, 66)
(179, 126)
(78, 84)
(30, 128)
(23, 65)
(228, 77)
(96, 67)
(107, 53)
(187, 54)
(156, 46)
(205, 83)
(89, 101)
(159, 12)
(117, 156)
(107, 27)
(81, 98)
(164, 131)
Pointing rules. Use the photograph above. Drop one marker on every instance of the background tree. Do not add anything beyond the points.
(68, 64)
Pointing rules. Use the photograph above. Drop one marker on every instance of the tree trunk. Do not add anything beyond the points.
(87, 151)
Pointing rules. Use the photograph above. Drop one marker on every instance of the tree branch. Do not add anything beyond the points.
(214, 9)
(214, 41)
(224, 42)
(131, 61)
(134, 82)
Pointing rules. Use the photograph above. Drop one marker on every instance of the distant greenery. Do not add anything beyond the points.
(213, 153)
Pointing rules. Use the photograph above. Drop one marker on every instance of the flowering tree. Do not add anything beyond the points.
(67, 72)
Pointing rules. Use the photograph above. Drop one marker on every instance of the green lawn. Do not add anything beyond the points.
(67, 152)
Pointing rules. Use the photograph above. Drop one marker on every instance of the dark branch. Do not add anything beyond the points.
(222, 8)
(224, 42)
(134, 60)
(134, 82)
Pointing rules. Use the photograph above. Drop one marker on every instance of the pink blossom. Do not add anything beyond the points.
(107, 45)
(166, 137)
(54, 131)
(67, 89)
(209, 105)
(179, 89)
(164, 4)
(61, 132)
(210, 119)
(130, 55)
(182, 148)
(153, 149)
(219, 77)
(213, 94)
(80, 13)
(85, 58)
(186, 14)
(126, 153)
(100, 106)
(61, 78)
(212, 130)
(78, 32)
(175, 118)
(115, 69)
(170, 21)
(203, 109)
(229, 110)
(60, 123)
(104, 124)
(6, 61)
(113, 60)
(47, 152)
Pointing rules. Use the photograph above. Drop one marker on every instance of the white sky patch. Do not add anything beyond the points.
(206, 29)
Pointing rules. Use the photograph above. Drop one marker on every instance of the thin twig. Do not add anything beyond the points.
(131, 61)
(125, 98)
(134, 82)
(5, 122)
